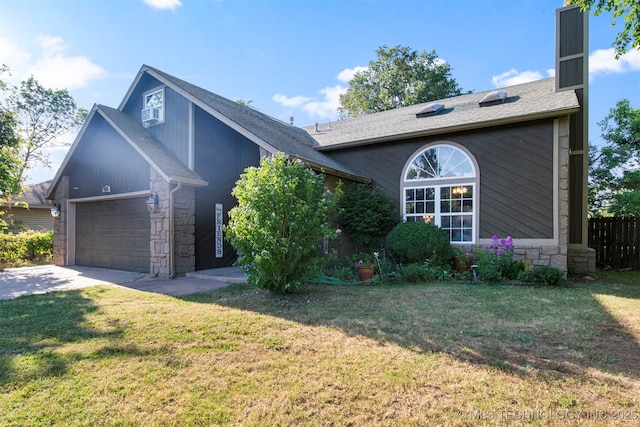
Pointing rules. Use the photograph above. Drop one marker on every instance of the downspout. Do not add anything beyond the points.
(172, 260)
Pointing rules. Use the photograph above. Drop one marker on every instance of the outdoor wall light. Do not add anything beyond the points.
(152, 203)
(106, 189)
(55, 210)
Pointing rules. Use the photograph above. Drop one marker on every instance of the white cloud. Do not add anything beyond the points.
(163, 4)
(514, 77)
(603, 61)
(327, 107)
(324, 107)
(347, 74)
(50, 65)
(295, 102)
(16, 59)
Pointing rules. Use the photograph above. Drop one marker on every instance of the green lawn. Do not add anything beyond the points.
(429, 354)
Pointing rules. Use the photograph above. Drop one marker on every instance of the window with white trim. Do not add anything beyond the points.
(439, 187)
(153, 108)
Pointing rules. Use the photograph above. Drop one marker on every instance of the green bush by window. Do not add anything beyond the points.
(543, 275)
(410, 242)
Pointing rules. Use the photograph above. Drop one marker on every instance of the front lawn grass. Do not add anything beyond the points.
(427, 354)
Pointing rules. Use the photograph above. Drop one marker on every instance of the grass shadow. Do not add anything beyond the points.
(521, 329)
(33, 327)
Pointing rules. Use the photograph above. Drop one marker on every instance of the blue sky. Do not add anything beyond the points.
(291, 58)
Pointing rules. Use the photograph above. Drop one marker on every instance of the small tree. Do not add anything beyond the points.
(366, 215)
(281, 216)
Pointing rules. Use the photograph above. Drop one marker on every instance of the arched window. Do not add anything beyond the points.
(439, 186)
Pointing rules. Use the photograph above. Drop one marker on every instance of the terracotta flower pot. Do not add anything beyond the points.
(462, 263)
(366, 272)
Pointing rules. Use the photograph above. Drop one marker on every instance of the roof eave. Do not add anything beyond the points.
(450, 129)
(332, 171)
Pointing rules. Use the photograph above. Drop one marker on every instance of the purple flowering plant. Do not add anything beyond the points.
(495, 260)
(500, 246)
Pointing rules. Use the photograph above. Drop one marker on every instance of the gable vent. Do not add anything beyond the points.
(493, 98)
(430, 110)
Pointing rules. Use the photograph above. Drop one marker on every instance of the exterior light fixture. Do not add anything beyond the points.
(106, 189)
(152, 203)
(55, 210)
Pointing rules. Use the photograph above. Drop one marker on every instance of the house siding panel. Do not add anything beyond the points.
(516, 174)
(173, 133)
(221, 155)
(105, 158)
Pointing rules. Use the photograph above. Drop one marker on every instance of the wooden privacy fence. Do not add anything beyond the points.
(616, 241)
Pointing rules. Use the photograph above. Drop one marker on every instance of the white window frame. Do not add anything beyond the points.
(161, 108)
(437, 184)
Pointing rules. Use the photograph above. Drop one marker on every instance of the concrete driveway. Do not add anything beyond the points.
(15, 282)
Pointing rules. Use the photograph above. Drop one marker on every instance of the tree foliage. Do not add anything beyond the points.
(398, 77)
(281, 217)
(614, 171)
(9, 159)
(366, 215)
(42, 116)
(628, 10)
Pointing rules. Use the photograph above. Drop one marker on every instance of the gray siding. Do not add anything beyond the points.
(113, 234)
(104, 157)
(174, 132)
(221, 155)
(516, 174)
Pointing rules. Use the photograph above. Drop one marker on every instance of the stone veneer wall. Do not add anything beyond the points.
(184, 229)
(60, 223)
(582, 261)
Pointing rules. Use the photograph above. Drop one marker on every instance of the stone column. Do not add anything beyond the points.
(159, 232)
(60, 223)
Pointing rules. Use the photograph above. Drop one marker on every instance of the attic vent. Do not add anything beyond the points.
(493, 98)
(430, 110)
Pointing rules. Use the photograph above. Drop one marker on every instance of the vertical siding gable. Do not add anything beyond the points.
(174, 132)
(104, 157)
(515, 166)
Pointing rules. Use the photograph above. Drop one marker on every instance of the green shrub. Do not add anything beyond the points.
(281, 217)
(366, 215)
(27, 247)
(543, 275)
(425, 271)
(410, 242)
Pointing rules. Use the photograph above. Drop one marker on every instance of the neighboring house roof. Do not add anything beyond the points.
(269, 133)
(34, 196)
(528, 101)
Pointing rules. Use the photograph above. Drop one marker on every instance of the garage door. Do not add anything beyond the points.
(113, 234)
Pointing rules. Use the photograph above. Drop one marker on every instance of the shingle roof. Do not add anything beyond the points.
(34, 195)
(528, 101)
(257, 126)
(165, 162)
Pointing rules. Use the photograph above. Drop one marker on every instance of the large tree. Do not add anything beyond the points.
(615, 168)
(400, 76)
(43, 116)
(9, 160)
(628, 10)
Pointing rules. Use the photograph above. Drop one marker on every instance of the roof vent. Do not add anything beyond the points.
(430, 110)
(493, 98)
